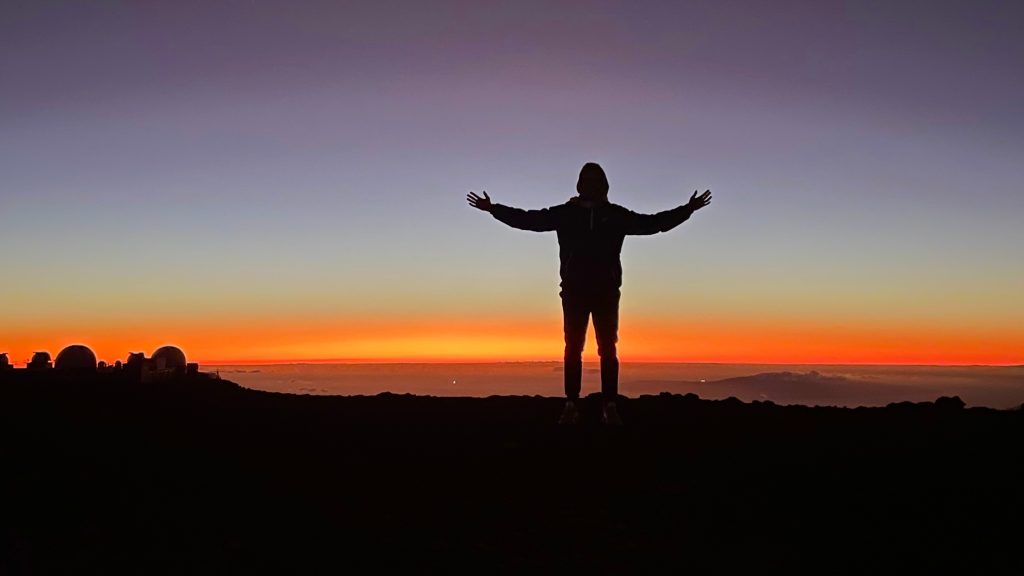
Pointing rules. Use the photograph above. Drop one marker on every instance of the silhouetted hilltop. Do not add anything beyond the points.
(814, 387)
(817, 389)
(200, 475)
(812, 377)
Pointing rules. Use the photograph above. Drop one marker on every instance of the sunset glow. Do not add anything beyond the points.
(263, 185)
(514, 340)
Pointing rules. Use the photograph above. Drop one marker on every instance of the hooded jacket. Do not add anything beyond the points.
(590, 236)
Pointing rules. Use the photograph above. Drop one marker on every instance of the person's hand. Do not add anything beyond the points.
(698, 202)
(478, 202)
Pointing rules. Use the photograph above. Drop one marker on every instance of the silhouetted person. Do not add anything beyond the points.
(590, 234)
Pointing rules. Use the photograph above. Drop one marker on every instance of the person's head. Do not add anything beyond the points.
(593, 184)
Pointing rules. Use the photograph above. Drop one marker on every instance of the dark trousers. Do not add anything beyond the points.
(577, 308)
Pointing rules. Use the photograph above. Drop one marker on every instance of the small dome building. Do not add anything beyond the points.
(169, 358)
(5, 362)
(76, 357)
(40, 361)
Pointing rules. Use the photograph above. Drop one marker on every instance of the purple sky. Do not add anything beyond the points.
(229, 159)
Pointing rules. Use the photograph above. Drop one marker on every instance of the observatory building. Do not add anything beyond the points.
(76, 357)
(167, 364)
(40, 361)
(169, 358)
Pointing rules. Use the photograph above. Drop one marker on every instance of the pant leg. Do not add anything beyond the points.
(575, 316)
(606, 326)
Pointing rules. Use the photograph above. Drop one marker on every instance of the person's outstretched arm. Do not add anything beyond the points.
(533, 220)
(642, 224)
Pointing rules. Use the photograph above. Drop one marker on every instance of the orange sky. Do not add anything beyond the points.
(432, 340)
(210, 195)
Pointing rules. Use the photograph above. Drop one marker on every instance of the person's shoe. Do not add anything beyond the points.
(610, 416)
(570, 414)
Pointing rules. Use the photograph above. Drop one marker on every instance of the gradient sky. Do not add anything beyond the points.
(285, 180)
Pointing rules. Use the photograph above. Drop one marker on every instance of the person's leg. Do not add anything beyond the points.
(606, 326)
(575, 316)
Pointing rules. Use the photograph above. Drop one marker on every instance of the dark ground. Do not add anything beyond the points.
(203, 476)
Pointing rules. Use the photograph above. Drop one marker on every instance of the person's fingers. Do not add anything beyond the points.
(694, 195)
(486, 196)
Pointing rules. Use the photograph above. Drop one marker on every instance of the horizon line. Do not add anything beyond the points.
(444, 361)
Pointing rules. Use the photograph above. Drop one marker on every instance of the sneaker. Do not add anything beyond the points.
(610, 416)
(570, 414)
